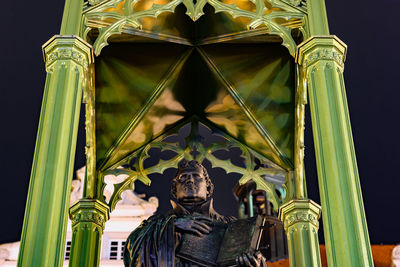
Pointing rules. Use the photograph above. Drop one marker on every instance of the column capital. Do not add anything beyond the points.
(89, 210)
(321, 47)
(300, 211)
(67, 47)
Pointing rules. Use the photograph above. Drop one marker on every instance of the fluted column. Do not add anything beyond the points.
(300, 220)
(88, 218)
(43, 235)
(345, 228)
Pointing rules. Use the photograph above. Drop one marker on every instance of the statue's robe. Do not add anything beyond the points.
(155, 241)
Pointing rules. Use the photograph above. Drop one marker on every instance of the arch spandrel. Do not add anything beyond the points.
(197, 142)
(193, 23)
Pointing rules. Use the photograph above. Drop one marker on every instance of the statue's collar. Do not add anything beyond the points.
(204, 208)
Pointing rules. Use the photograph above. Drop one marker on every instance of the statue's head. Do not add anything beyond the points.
(191, 182)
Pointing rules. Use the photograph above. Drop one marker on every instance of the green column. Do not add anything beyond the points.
(89, 214)
(345, 227)
(300, 220)
(71, 22)
(88, 218)
(317, 19)
(43, 235)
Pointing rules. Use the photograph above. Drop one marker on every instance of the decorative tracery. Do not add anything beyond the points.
(199, 143)
(111, 17)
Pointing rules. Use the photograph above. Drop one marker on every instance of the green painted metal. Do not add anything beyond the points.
(72, 16)
(265, 82)
(113, 17)
(43, 235)
(317, 19)
(194, 142)
(67, 61)
(91, 181)
(235, 98)
(136, 104)
(195, 82)
(300, 220)
(300, 113)
(88, 218)
(126, 86)
(346, 233)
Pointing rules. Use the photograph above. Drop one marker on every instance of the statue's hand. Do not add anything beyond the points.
(194, 225)
(248, 260)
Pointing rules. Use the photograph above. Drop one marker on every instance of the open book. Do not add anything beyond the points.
(221, 246)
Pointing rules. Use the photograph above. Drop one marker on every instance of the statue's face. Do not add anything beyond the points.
(191, 186)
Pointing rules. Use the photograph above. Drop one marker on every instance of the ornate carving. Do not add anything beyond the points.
(88, 216)
(300, 211)
(67, 53)
(321, 48)
(67, 48)
(132, 167)
(323, 54)
(90, 211)
(111, 20)
(301, 216)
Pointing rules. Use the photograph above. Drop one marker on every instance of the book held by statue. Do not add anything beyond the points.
(221, 246)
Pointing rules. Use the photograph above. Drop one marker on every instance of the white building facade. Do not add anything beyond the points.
(127, 215)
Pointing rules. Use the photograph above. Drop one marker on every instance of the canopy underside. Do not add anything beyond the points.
(243, 89)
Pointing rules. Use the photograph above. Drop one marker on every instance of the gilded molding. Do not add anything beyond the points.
(300, 211)
(114, 16)
(90, 129)
(317, 48)
(91, 211)
(88, 217)
(300, 102)
(67, 47)
(323, 54)
(301, 216)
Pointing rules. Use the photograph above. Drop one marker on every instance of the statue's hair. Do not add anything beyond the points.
(193, 164)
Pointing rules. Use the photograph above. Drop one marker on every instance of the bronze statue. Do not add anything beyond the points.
(159, 240)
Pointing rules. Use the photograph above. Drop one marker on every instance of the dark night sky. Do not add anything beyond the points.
(371, 75)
